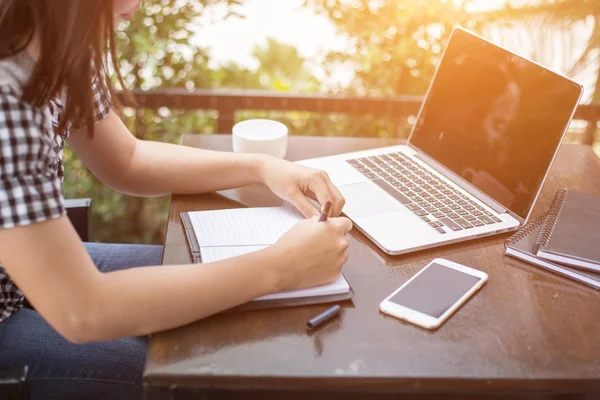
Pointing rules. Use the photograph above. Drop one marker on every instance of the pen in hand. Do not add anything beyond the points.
(325, 212)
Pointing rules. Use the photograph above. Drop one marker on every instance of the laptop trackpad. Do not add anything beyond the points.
(365, 199)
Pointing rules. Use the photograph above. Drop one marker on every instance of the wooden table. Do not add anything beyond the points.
(528, 332)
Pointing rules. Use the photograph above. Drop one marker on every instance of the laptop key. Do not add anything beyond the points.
(470, 218)
(430, 209)
(496, 219)
(463, 224)
(420, 213)
(438, 214)
(433, 224)
(477, 223)
(391, 191)
(371, 175)
(426, 220)
(450, 224)
(462, 212)
(453, 216)
(412, 206)
(486, 220)
(440, 230)
(353, 161)
(368, 164)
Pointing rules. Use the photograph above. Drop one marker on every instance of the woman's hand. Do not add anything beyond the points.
(316, 252)
(296, 184)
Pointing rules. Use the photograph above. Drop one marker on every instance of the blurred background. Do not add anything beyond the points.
(324, 67)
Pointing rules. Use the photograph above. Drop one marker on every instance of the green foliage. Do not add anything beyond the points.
(283, 69)
(395, 45)
(155, 51)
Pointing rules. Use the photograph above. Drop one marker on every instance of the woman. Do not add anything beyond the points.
(54, 87)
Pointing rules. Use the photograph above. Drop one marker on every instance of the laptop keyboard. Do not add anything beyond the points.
(438, 204)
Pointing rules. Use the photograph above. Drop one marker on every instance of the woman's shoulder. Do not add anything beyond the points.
(15, 112)
(15, 72)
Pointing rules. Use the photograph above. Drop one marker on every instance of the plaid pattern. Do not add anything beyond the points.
(31, 169)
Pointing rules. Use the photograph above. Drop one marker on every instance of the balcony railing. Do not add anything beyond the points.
(228, 102)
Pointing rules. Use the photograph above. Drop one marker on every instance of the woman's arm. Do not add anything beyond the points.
(50, 265)
(145, 168)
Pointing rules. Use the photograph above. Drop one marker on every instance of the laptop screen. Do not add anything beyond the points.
(495, 119)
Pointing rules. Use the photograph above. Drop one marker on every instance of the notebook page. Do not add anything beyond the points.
(261, 226)
(229, 233)
(339, 286)
(211, 254)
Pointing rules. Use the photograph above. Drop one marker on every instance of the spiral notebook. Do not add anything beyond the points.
(221, 234)
(521, 245)
(570, 234)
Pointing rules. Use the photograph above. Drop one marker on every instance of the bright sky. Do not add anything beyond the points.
(479, 5)
(313, 35)
(286, 20)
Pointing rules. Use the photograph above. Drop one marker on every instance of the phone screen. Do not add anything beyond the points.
(435, 290)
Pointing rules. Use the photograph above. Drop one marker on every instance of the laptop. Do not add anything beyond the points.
(480, 150)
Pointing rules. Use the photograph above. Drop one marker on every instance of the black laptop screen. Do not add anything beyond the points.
(495, 119)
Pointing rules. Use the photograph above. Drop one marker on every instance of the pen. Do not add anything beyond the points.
(325, 316)
(325, 212)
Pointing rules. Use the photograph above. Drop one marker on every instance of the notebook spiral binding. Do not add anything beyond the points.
(525, 231)
(550, 220)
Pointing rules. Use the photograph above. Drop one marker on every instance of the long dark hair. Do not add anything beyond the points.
(76, 41)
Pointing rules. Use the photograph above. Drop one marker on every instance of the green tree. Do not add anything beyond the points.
(155, 51)
(394, 45)
(282, 68)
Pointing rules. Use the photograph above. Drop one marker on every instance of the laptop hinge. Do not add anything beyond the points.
(487, 200)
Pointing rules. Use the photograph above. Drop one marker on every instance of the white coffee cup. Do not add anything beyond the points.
(262, 136)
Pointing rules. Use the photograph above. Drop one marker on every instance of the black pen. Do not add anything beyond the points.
(325, 316)
(325, 212)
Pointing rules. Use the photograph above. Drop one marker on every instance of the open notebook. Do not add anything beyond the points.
(220, 234)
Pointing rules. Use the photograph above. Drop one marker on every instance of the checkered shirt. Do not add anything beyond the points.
(31, 161)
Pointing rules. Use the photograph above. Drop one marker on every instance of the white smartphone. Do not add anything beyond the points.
(434, 293)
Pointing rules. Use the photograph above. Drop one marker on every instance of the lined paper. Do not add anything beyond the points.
(243, 226)
(230, 233)
(218, 253)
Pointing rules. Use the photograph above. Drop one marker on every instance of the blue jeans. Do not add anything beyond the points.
(59, 369)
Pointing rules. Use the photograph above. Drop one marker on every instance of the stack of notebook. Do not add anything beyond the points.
(565, 240)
